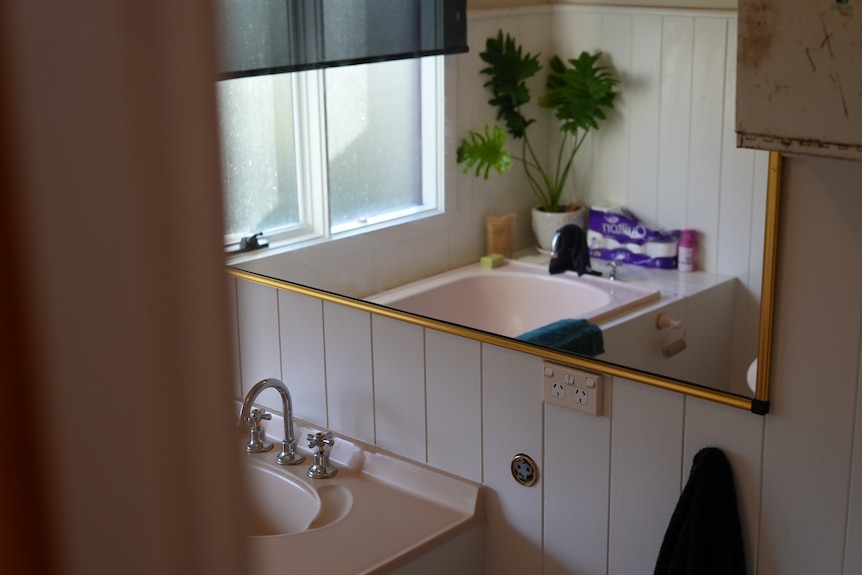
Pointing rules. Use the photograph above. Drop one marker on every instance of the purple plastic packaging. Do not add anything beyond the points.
(616, 234)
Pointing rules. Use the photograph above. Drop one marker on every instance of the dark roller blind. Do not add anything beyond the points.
(260, 37)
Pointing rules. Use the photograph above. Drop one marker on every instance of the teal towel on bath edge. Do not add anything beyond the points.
(574, 335)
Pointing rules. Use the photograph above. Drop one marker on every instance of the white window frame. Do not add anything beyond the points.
(312, 165)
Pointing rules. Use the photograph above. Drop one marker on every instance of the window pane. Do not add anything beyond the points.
(258, 155)
(373, 119)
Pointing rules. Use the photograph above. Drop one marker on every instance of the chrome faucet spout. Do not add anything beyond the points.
(288, 455)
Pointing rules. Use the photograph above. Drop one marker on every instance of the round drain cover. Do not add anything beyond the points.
(524, 469)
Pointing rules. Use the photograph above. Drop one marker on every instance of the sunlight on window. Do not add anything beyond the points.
(310, 155)
(259, 165)
(374, 139)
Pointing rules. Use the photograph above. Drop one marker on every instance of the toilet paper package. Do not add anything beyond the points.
(616, 234)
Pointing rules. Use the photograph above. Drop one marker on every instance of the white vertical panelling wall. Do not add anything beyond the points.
(647, 426)
(707, 107)
(612, 150)
(674, 125)
(453, 393)
(511, 424)
(644, 100)
(349, 385)
(257, 308)
(302, 362)
(740, 436)
(398, 358)
(577, 468)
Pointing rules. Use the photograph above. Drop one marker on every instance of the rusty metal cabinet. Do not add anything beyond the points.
(799, 76)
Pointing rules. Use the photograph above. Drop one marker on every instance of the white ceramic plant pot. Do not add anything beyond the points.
(546, 224)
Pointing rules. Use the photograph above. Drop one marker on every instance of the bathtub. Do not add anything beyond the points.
(515, 298)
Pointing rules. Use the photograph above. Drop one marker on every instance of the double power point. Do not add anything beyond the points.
(572, 388)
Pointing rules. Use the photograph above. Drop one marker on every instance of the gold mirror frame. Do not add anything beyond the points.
(759, 404)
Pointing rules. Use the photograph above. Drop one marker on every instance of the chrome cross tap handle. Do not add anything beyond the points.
(257, 443)
(257, 415)
(321, 468)
(319, 439)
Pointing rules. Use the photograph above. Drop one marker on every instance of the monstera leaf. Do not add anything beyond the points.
(579, 92)
(485, 151)
(509, 68)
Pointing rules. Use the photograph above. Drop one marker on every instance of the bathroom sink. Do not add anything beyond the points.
(381, 511)
(279, 503)
(282, 501)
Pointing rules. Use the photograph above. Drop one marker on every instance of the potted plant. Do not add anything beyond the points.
(579, 92)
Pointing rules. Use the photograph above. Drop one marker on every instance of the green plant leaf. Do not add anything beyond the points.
(508, 69)
(485, 151)
(579, 92)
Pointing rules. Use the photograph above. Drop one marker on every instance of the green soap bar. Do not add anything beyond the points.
(492, 261)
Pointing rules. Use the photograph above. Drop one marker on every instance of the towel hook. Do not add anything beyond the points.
(667, 325)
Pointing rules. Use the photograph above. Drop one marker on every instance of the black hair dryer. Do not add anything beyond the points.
(569, 251)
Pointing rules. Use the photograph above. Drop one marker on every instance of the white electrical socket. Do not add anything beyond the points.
(572, 388)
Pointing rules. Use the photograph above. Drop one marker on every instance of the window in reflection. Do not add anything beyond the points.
(315, 154)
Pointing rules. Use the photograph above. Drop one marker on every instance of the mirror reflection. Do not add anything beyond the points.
(666, 155)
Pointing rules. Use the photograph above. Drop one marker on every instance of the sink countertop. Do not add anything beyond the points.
(401, 510)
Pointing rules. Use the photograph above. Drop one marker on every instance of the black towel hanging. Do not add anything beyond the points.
(704, 536)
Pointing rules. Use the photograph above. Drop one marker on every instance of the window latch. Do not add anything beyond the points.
(255, 242)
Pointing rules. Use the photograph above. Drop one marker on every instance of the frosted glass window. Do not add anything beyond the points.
(258, 155)
(374, 137)
(311, 155)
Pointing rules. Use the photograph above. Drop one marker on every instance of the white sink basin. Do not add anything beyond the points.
(380, 511)
(279, 504)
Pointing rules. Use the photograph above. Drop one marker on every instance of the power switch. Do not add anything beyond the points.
(572, 388)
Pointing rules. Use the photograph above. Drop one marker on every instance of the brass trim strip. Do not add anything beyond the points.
(770, 264)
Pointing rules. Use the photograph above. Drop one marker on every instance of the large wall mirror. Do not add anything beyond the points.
(667, 153)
